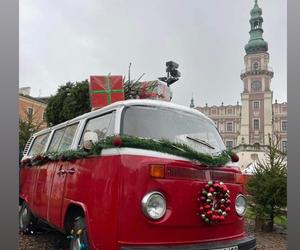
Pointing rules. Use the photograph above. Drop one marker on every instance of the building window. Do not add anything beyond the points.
(229, 111)
(284, 146)
(254, 157)
(214, 111)
(256, 105)
(256, 85)
(256, 146)
(229, 144)
(256, 123)
(30, 111)
(229, 127)
(255, 65)
(44, 116)
(284, 125)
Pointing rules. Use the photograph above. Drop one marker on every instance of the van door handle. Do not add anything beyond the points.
(61, 171)
(71, 171)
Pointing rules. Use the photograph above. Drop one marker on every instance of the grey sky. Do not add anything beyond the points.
(69, 40)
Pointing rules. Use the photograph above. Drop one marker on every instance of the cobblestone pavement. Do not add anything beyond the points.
(57, 241)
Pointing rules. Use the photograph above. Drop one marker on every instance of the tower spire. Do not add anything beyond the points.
(256, 42)
(192, 105)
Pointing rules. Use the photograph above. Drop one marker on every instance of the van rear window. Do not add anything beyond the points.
(38, 144)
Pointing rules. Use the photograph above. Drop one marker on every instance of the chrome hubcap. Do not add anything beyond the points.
(23, 217)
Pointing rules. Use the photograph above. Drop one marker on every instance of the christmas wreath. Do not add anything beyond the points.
(214, 202)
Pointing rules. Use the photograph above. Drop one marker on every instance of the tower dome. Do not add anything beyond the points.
(256, 10)
(256, 42)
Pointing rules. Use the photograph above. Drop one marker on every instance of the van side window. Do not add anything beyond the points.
(38, 144)
(62, 138)
(67, 139)
(58, 134)
(102, 125)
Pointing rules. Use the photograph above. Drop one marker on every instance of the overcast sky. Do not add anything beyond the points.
(69, 40)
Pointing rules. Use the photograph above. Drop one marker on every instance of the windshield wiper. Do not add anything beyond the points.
(200, 141)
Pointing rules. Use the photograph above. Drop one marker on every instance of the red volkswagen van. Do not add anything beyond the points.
(147, 192)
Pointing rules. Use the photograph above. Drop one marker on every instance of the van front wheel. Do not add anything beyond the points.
(79, 237)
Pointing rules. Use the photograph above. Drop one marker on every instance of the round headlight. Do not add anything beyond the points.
(240, 205)
(154, 205)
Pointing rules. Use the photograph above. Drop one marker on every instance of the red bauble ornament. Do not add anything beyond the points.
(117, 141)
(26, 162)
(38, 158)
(234, 157)
(201, 209)
(227, 209)
(207, 207)
(209, 213)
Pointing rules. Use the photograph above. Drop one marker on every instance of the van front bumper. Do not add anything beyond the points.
(246, 243)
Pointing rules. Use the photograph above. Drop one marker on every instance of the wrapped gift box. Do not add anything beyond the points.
(105, 90)
(156, 90)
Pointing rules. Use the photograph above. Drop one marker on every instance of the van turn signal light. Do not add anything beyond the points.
(239, 178)
(157, 170)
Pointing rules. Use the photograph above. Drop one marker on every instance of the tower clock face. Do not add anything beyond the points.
(256, 85)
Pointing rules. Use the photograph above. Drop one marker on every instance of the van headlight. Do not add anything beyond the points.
(154, 205)
(240, 205)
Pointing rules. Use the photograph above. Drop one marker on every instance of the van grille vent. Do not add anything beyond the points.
(185, 173)
(222, 176)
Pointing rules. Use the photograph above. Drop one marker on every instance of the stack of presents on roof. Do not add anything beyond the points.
(107, 89)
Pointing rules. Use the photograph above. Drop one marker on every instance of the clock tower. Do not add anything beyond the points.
(256, 113)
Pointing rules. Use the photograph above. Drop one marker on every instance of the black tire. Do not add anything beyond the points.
(27, 222)
(79, 237)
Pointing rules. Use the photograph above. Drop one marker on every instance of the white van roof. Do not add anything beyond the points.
(126, 103)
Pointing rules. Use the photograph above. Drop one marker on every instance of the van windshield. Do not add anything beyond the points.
(174, 125)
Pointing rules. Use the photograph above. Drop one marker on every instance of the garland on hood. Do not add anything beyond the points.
(162, 145)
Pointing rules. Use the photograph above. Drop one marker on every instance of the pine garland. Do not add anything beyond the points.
(163, 146)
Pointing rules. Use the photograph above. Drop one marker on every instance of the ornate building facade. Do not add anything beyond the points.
(246, 126)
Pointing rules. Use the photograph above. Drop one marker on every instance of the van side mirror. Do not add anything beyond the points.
(89, 139)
